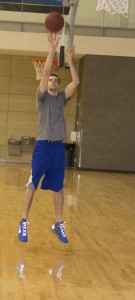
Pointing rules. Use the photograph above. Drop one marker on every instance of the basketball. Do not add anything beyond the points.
(54, 22)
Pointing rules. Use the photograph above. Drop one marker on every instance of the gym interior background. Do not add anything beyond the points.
(107, 39)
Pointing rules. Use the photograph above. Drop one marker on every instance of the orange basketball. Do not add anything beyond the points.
(54, 22)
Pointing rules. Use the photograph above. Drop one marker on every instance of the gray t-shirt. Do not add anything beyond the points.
(52, 124)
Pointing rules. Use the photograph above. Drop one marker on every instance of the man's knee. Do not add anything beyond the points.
(30, 186)
(61, 191)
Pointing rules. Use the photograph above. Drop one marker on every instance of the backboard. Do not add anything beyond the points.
(41, 6)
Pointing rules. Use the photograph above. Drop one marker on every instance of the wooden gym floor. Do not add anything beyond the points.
(99, 261)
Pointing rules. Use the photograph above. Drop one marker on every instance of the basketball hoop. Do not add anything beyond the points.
(114, 6)
(39, 63)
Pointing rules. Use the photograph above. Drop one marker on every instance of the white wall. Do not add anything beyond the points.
(88, 16)
(37, 44)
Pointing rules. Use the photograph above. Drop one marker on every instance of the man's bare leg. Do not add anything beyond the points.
(27, 202)
(58, 228)
(58, 205)
(22, 234)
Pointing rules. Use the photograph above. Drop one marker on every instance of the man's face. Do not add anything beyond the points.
(53, 83)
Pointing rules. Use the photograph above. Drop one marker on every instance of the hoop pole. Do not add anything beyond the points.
(71, 22)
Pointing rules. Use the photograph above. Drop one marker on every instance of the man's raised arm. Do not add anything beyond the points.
(53, 41)
(69, 90)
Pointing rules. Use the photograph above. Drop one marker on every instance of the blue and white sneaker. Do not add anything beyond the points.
(59, 230)
(23, 234)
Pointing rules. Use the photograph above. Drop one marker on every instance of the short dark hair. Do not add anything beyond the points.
(55, 76)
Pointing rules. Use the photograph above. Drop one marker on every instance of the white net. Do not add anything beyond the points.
(39, 66)
(114, 6)
(39, 63)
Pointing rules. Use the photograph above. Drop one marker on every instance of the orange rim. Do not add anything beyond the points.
(39, 59)
(42, 60)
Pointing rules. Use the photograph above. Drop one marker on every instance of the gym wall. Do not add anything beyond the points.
(106, 113)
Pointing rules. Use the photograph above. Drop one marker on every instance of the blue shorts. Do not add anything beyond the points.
(48, 161)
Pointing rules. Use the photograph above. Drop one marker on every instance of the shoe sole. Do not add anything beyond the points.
(22, 241)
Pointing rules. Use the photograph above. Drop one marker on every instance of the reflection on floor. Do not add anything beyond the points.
(99, 261)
